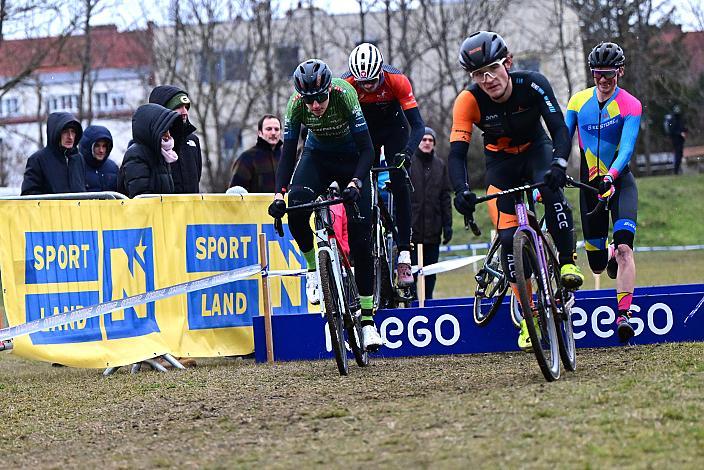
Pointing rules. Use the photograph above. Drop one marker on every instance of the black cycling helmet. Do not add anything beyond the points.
(312, 77)
(606, 54)
(481, 49)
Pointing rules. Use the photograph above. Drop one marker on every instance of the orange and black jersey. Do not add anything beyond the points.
(510, 127)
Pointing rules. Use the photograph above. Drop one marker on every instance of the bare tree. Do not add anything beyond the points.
(228, 62)
(32, 19)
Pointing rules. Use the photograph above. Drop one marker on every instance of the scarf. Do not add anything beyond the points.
(167, 150)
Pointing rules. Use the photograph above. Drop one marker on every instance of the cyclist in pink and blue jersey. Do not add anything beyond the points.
(607, 120)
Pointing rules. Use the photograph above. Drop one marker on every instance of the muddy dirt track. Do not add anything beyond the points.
(639, 405)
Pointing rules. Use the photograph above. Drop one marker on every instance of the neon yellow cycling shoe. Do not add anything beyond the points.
(524, 342)
(571, 276)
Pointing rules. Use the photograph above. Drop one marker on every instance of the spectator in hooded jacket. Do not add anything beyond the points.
(186, 171)
(430, 204)
(95, 147)
(146, 167)
(255, 168)
(57, 168)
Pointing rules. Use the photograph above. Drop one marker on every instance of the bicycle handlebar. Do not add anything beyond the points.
(315, 205)
(381, 169)
(571, 182)
(278, 224)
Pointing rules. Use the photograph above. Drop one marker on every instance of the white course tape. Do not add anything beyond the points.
(108, 307)
(448, 265)
(287, 272)
(696, 309)
(580, 244)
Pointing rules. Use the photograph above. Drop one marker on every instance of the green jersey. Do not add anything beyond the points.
(333, 130)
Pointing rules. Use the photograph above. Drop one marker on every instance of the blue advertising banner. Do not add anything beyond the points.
(659, 315)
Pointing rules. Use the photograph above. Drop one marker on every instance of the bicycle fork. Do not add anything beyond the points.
(524, 226)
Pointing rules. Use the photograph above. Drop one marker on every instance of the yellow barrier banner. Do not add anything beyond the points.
(58, 256)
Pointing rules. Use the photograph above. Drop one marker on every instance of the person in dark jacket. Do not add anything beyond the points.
(95, 147)
(146, 167)
(57, 168)
(430, 205)
(678, 134)
(255, 168)
(186, 171)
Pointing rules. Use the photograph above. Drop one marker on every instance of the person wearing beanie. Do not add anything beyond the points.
(186, 171)
(57, 168)
(95, 147)
(431, 211)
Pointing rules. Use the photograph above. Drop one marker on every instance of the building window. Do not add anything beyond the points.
(286, 60)
(528, 63)
(223, 66)
(108, 101)
(100, 101)
(62, 103)
(9, 107)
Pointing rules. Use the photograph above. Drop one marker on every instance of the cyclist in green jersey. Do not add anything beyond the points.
(338, 148)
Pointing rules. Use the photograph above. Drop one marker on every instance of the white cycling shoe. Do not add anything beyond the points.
(313, 287)
(371, 339)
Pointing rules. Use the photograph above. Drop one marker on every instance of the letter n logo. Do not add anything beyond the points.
(128, 269)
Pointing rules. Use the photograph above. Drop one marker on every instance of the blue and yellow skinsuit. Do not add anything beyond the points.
(607, 137)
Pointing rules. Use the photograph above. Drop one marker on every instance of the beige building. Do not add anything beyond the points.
(236, 71)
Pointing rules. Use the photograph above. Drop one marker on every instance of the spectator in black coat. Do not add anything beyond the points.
(678, 134)
(146, 168)
(187, 169)
(430, 205)
(255, 168)
(95, 147)
(57, 168)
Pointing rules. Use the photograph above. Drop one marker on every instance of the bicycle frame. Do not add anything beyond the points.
(379, 212)
(524, 225)
(327, 242)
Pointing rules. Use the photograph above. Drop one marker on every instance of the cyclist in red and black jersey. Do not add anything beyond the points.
(395, 123)
(507, 107)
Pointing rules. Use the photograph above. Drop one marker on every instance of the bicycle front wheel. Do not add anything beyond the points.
(563, 300)
(543, 335)
(492, 286)
(353, 321)
(333, 311)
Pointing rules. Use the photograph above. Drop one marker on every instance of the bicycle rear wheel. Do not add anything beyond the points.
(333, 311)
(492, 286)
(543, 336)
(383, 290)
(353, 321)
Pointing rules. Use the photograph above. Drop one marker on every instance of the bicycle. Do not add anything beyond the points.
(384, 235)
(492, 286)
(341, 305)
(538, 274)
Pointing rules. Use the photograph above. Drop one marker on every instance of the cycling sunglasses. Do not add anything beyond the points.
(479, 75)
(319, 97)
(606, 73)
(370, 81)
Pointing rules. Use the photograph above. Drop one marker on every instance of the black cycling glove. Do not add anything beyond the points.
(465, 202)
(277, 209)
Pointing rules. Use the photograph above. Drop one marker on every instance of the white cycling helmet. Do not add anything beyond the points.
(365, 62)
